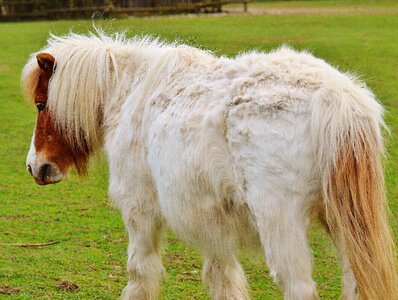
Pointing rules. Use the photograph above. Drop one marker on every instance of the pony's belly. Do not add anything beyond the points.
(216, 226)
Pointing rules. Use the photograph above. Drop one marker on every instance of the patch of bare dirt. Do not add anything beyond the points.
(8, 290)
(67, 286)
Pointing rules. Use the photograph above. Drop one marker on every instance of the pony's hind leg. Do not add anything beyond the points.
(225, 278)
(348, 282)
(144, 264)
(282, 223)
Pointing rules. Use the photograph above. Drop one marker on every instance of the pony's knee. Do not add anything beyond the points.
(144, 277)
(225, 280)
(301, 290)
(148, 267)
(135, 291)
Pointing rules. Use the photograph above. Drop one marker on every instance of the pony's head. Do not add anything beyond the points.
(53, 149)
(70, 82)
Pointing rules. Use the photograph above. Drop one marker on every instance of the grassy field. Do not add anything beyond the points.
(77, 214)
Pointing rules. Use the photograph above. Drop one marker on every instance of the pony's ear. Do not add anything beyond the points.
(45, 61)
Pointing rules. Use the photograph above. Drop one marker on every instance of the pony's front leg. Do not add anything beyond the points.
(144, 264)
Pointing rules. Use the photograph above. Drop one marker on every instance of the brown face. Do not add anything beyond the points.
(52, 152)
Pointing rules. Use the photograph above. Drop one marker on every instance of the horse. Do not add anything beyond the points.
(229, 153)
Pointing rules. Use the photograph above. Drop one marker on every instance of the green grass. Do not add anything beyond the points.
(92, 242)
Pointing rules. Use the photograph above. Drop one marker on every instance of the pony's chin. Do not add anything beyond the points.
(49, 180)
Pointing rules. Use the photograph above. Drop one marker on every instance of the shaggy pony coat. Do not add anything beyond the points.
(229, 153)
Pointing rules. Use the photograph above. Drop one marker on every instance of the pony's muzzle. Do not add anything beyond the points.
(42, 170)
(45, 174)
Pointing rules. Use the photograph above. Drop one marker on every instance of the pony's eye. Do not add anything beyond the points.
(40, 106)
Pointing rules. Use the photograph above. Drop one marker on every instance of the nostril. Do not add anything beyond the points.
(44, 171)
(29, 168)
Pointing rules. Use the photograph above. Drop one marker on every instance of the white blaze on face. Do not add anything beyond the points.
(35, 160)
(31, 158)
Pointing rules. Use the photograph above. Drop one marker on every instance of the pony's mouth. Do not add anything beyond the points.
(46, 181)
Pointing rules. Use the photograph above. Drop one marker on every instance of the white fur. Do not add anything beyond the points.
(31, 158)
(229, 153)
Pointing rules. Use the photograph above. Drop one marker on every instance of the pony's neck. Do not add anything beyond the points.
(139, 71)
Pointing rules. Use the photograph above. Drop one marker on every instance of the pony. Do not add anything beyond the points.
(229, 153)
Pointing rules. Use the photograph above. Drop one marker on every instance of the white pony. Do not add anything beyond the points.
(229, 153)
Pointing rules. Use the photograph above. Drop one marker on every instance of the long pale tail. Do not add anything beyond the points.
(346, 127)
